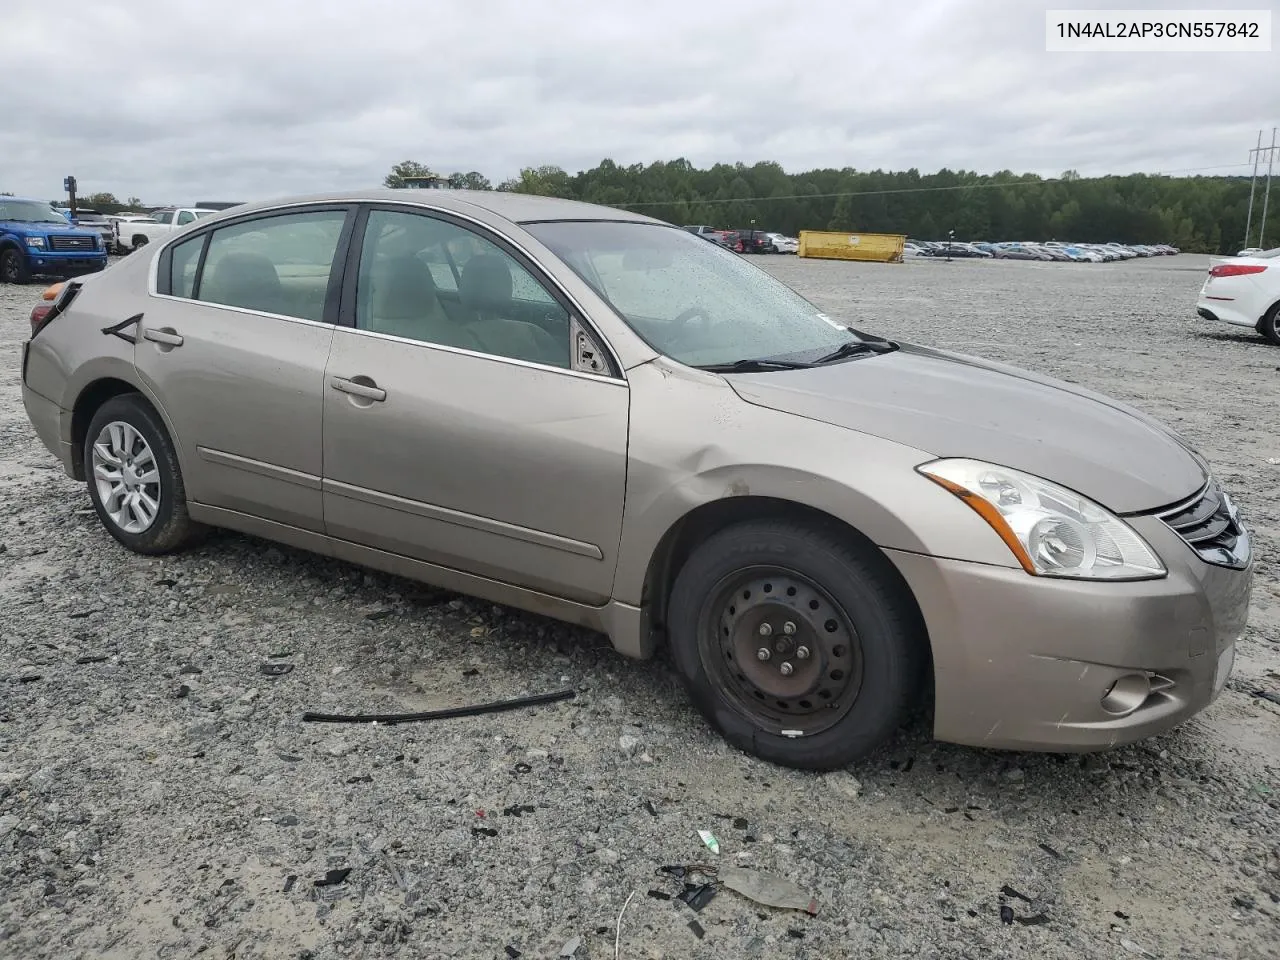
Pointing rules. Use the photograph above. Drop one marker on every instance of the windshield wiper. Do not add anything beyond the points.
(754, 365)
(855, 347)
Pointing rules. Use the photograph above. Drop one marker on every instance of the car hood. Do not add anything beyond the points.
(44, 229)
(951, 405)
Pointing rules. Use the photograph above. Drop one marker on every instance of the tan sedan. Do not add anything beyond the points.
(600, 417)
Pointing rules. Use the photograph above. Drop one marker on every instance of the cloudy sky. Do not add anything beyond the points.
(184, 100)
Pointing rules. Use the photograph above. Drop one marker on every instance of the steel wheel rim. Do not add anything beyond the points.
(783, 612)
(126, 476)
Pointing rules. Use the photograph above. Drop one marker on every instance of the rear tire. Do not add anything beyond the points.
(138, 243)
(134, 481)
(13, 267)
(845, 645)
(1269, 325)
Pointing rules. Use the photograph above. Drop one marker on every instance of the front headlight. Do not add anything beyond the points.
(35, 242)
(1052, 531)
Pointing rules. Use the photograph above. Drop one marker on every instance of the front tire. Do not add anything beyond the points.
(13, 267)
(138, 243)
(1269, 325)
(798, 645)
(134, 480)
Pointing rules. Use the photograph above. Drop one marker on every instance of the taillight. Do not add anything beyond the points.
(1235, 270)
(42, 312)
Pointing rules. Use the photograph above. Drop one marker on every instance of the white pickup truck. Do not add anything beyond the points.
(139, 233)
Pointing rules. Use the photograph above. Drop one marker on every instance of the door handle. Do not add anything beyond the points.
(166, 337)
(366, 391)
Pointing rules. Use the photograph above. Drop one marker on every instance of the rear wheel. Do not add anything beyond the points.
(1269, 325)
(13, 267)
(134, 479)
(799, 647)
(139, 242)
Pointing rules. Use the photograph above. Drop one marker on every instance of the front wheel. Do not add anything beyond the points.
(800, 647)
(134, 479)
(13, 267)
(1269, 325)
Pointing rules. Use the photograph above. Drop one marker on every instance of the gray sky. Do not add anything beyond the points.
(185, 100)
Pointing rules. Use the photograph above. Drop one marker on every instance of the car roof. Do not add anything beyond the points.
(516, 207)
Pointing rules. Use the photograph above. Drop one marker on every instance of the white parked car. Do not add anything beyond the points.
(162, 223)
(783, 244)
(1249, 252)
(1244, 292)
(123, 227)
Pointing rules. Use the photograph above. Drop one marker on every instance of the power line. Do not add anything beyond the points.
(899, 190)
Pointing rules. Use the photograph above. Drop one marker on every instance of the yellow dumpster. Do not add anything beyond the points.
(881, 247)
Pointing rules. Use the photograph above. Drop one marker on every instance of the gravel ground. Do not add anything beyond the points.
(160, 796)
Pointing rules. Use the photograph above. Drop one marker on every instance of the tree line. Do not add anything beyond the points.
(1197, 214)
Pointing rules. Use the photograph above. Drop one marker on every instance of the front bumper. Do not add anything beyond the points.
(1023, 662)
(54, 264)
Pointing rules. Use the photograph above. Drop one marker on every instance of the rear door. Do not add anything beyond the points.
(233, 346)
(458, 427)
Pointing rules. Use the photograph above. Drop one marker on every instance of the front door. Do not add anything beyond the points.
(234, 349)
(455, 429)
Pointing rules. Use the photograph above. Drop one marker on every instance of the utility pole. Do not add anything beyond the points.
(1266, 195)
(1248, 219)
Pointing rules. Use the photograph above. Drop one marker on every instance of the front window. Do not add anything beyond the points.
(29, 211)
(691, 300)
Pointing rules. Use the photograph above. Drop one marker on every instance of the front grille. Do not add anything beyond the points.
(71, 243)
(1210, 525)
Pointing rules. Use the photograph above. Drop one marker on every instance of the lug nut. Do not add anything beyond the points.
(765, 630)
(788, 628)
(763, 653)
(802, 653)
(785, 668)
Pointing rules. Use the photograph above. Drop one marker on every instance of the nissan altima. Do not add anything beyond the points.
(600, 417)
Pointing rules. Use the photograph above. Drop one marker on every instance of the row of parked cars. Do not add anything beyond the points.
(747, 240)
(125, 232)
(1049, 250)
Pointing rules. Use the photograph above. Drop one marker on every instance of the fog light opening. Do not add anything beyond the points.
(1127, 694)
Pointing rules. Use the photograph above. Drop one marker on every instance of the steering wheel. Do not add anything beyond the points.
(681, 321)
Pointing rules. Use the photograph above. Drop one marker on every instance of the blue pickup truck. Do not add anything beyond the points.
(36, 240)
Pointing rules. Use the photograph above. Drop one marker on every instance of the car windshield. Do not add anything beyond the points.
(691, 300)
(29, 211)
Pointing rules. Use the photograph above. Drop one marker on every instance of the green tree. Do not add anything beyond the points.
(469, 181)
(404, 169)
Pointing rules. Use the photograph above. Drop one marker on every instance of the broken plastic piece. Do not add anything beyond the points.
(334, 877)
(445, 714)
(289, 881)
(1050, 851)
(571, 948)
(696, 896)
(709, 839)
(1006, 914)
(487, 831)
(512, 952)
(93, 658)
(1008, 891)
(1035, 921)
(659, 895)
(275, 669)
(696, 927)
(768, 889)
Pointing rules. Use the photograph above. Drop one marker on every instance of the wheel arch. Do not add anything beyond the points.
(88, 402)
(707, 519)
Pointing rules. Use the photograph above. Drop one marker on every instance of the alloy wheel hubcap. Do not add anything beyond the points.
(126, 476)
(782, 650)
